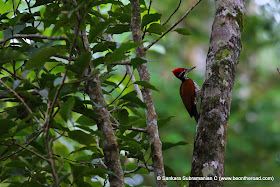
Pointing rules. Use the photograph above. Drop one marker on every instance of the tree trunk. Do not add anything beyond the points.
(151, 116)
(109, 143)
(211, 134)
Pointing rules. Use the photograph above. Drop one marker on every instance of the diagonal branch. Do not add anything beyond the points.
(172, 26)
(34, 36)
(151, 116)
(173, 12)
(23, 102)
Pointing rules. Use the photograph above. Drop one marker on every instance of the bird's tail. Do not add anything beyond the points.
(196, 116)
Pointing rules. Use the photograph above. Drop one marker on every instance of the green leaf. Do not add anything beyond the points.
(132, 97)
(5, 126)
(104, 46)
(164, 121)
(81, 63)
(168, 145)
(122, 17)
(97, 29)
(146, 85)
(156, 28)
(123, 116)
(183, 31)
(137, 62)
(7, 33)
(169, 171)
(7, 55)
(98, 61)
(149, 18)
(118, 29)
(39, 59)
(18, 29)
(83, 120)
(66, 108)
(81, 137)
(118, 54)
(15, 20)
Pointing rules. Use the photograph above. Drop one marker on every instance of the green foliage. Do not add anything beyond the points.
(50, 76)
(35, 68)
(183, 31)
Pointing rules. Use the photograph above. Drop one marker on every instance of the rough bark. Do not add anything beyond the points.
(151, 116)
(225, 46)
(109, 143)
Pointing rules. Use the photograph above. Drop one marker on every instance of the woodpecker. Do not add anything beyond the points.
(189, 91)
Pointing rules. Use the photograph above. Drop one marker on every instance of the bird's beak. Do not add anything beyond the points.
(188, 70)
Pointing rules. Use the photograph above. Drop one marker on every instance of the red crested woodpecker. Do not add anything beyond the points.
(189, 91)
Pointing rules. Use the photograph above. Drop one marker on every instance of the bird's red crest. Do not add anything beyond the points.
(177, 71)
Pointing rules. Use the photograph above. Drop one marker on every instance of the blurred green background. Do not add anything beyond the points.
(253, 140)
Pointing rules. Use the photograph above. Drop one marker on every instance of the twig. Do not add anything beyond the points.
(119, 83)
(173, 12)
(11, 73)
(30, 150)
(126, 86)
(133, 80)
(118, 124)
(132, 128)
(28, 143)
(172, 26)
(65, 57)
(144, 33)
(80, 162)
(23, 102)
(32, 36)
(149, 168)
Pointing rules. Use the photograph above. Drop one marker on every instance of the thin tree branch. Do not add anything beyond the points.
(172, 26)
(27, 144)
(30, 150)
(33, 36)
(133, 80)
(119, 83)
(151, 116)
(11, 73)
(23, 102)
(80, 162)
(150, 4)
(173, 12)
(110, 144)
(126, 86)
(149, 168)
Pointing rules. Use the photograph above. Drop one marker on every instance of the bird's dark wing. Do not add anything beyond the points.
(187, 93)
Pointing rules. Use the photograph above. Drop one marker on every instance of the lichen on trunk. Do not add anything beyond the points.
(211, 134)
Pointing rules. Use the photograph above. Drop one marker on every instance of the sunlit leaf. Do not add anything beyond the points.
(149, 18)
(156, 28)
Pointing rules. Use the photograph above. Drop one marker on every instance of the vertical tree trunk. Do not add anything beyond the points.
(225, 46)
(151, 116)
(109, 143)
